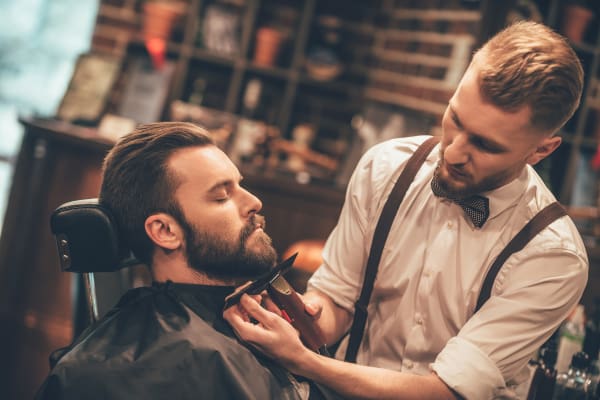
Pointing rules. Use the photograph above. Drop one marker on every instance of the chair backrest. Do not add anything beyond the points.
(88, 242)
(87, 238)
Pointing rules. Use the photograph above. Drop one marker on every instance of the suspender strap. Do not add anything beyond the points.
(542, 219)
(381, 232)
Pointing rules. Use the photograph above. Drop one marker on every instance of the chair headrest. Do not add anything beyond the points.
(87, 238)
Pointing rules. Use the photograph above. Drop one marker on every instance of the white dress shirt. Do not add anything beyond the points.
(432, 269)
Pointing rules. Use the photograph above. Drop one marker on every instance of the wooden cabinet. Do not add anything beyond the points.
(35, 297)
(60, 162)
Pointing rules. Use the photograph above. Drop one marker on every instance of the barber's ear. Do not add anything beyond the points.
(164, 231)
(544, 149)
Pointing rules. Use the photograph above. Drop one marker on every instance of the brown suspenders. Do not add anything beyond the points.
(532, 228)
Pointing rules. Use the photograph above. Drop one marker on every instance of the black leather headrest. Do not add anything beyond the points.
(87, 239)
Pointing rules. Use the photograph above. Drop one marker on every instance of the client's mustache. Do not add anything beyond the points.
(259, 220)
(255, 221)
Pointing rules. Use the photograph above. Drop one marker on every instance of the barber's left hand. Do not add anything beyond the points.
(272, 335)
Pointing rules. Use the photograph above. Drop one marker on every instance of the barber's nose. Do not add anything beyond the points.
(457, 152)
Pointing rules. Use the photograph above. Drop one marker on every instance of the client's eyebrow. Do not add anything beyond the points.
(224, 184)
(220, 186)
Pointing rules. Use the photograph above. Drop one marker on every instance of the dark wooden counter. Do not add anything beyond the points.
(59, 162)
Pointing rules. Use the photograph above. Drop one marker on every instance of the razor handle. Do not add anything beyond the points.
(292, 309)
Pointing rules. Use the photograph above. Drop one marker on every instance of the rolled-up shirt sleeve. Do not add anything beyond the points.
(534, 292)
(475, 376)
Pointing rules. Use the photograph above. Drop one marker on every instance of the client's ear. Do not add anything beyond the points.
(164, 231)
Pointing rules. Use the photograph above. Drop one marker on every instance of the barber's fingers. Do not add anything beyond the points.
(313, 305)
(272, 335)
(246, 313)
(270, 305)
(267, 318)
(244, 326)
(236, 316)
(256, 297)
(313, 309)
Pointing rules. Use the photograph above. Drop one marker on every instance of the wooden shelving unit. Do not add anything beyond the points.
(581, 133)
(407, 56)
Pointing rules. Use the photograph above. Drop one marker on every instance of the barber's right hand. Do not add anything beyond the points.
(266, 331)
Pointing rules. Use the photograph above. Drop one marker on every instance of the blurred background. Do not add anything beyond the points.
(293, 90)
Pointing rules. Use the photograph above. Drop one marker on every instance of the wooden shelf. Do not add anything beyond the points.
(271, 72)
(372, 35)
(212, 57)
(581, 136)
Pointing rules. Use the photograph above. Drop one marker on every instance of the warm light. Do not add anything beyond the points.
(157, 48)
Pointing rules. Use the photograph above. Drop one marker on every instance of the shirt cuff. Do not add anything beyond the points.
(468, 370)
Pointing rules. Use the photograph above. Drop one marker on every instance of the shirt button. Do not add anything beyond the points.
(426, 274)
(419, 320)
(449, 224)
(408, 364)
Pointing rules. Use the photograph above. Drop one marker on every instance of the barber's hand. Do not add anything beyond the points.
(313, 304)
(272, 335)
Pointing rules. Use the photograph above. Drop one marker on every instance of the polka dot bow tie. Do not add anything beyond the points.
(476, 208)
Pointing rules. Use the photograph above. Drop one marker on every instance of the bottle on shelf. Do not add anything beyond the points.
(591, 341)
(544, 378)
(574, 384)
(268, 43)
(250, 131)
(570, 340)
(251, 99)
(198, 91)
(591, 346)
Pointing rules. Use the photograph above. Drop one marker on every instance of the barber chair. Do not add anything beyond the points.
(88, 243)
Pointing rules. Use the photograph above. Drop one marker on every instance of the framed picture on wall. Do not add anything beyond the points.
(145, 90)
(89, 89)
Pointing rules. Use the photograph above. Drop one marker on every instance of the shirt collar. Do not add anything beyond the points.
(506, 196)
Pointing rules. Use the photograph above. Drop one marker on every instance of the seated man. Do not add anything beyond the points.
(179, 206)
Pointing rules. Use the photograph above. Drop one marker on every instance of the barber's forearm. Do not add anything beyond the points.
(334, 321)
(362, 382)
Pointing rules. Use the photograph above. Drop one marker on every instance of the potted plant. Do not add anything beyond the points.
(158, 18)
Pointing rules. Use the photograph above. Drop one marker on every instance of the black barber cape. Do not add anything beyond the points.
(168, 341)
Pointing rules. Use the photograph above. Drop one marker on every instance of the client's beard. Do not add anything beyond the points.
(225, 260)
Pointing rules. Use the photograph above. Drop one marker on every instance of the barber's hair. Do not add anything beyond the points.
(528, 64)
(137, 182)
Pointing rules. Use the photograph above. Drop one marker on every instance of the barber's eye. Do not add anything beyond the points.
(483, 145)
(479, 143)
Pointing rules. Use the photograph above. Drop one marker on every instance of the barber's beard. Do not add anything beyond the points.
(469, 188)
(220, 258)
(448, 189)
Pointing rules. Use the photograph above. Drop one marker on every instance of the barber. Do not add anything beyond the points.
(428, 335)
